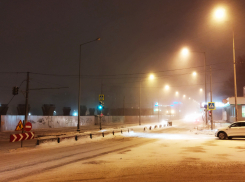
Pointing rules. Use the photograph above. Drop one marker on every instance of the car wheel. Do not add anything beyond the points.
(222, 135)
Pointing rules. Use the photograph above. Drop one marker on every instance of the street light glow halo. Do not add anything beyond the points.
(220, 13)
(185, 51)
(151, 76)
(167, 87)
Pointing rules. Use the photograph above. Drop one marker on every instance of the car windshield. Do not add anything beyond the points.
(235, 125)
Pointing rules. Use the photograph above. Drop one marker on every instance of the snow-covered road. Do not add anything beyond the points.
(168, 154)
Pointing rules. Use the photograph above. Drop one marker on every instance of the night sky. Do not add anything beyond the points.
(138, 37)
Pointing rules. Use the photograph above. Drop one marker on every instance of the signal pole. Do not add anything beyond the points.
(26, 104)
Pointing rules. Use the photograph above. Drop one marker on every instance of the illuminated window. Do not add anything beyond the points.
(243, 111)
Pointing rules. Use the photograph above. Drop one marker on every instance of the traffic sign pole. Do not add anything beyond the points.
(26, 111)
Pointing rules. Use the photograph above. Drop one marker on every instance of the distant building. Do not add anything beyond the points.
(229, 109)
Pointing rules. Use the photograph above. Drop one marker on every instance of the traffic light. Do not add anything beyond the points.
(101, 105)
(15, 90)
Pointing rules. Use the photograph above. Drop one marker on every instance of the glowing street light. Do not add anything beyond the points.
(151, 77)
(189, 98)
(167, 87)
(172, 111)
(200, 89)
(184, 96)
(177, 93)
(185, 52)
(219, 14)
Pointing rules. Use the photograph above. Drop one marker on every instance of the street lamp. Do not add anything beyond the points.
(166, 87)
(194, 73)
(220, 14)
(79, 89)
(151, 77)
(185, 51)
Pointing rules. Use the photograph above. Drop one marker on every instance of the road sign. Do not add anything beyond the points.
(19, 126)
(101, 97)
(28, 126)
(211, 106)
(22, 136)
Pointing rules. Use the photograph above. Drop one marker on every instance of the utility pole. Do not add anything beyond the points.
(234, 66)
(206, 113)
(211, 97)
(158, 108)
(101, 87)
(152, 108)
(140, 105)
(79, 81)
(26, 104)
(124, 105)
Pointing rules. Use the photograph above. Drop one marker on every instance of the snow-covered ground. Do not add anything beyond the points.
(177, 153)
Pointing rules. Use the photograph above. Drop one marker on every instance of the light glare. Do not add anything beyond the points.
(151, 77)
(219, 13)
(185, 51)
(166, 87)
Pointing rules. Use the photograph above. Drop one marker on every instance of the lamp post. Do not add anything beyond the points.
(79, 83)
(220, 14)
(151, 77)
(185, 51)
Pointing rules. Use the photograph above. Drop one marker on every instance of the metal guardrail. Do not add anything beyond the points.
(79, 136)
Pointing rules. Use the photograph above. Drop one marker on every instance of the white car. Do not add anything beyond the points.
(236, 129)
